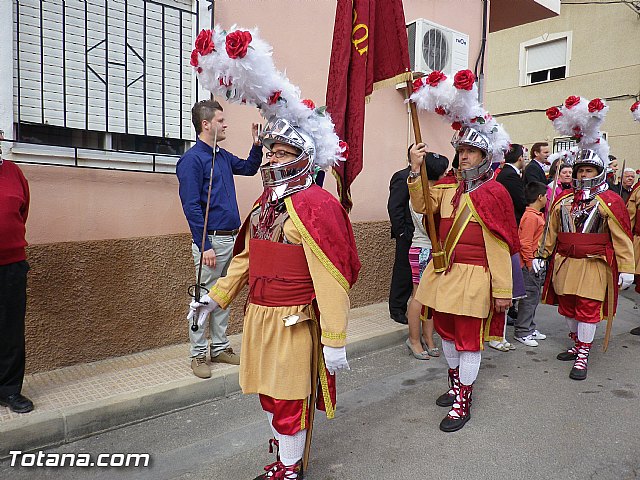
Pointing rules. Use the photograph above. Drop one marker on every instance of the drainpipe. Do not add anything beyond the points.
(480, 60)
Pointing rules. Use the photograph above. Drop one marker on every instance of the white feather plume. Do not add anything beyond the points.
(635, 111)
(461, 106)
(581, 119)
(254, 80)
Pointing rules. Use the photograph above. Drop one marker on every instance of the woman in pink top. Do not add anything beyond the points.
(564, 182)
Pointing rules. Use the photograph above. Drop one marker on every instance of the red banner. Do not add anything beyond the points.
(369, 50)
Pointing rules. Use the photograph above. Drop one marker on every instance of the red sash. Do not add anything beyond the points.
(582, 245)
(279, 274)
(470, 248)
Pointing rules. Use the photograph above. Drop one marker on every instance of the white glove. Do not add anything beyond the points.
(538, 264)
(202, 309)
(335, 358)
(625, 280)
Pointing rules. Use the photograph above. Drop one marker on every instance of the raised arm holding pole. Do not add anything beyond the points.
(439, 259)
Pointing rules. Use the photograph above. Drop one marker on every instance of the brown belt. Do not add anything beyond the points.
(223, 232)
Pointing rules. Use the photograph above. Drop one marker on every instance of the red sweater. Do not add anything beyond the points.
(14, 207)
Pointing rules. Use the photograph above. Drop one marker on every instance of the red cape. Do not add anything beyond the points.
(617, 206)
(328, 224)
(321, 219)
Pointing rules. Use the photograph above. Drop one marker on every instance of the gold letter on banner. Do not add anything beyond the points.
(357, 41)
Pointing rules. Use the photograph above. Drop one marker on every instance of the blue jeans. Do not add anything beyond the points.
(525, 324)
(219, 319)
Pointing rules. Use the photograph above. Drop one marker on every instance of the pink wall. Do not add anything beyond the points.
(72, 205)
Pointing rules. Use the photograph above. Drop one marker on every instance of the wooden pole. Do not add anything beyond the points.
(438, 255)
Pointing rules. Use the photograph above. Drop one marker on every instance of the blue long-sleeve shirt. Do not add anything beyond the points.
(193, 171)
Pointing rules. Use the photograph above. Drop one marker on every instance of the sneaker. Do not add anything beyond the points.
(528, 341)
(200, 367)
(538, 336)
(227, 356)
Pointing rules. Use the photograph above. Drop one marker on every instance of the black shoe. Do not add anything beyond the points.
(446, 400)
(578, 373)
(449, 424)
(567, 356)
(635, 331)
(400, 318)
(17, 403)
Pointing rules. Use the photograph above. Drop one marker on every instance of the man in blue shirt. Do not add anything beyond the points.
(193, 170)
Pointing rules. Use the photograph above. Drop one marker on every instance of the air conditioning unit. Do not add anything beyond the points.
(434, 47)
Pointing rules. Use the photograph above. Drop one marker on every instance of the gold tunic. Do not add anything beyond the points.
(587, 277)
(275, 360)
(632, 208)
(465, 289)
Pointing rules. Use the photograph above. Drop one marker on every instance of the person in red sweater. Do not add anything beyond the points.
(530, 232)
(14, 207)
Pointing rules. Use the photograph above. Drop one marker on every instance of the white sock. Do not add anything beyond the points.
(292, 447)
(276, 435)
(469, 366)
(450, 353)
(586, 331)
(572, 323)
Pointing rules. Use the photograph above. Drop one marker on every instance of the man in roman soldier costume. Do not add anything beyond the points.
(632, 208)
(478, 234)
(589, 242)
(297, 252)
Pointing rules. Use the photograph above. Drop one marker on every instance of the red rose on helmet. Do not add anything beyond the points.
(635, 106)
(456, 125)
(344, 148)
(417, 84)
(464, 79)
(595, 105)
(204, 43)
(435, 77)
(237, 43)
(275, 96)
(553, 113)
(571, 101)
(194, 58)
(440, 110)
(309, 103)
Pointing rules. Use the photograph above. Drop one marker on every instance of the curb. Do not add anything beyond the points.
(52, 428)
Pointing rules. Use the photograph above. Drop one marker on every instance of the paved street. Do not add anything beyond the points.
(529, 421)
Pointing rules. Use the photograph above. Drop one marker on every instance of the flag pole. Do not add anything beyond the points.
(438, 255)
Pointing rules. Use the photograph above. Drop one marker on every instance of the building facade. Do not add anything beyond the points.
(97, 112)
(588, 50)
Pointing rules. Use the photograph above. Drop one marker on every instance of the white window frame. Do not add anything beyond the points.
(546, 38)
(572, 143)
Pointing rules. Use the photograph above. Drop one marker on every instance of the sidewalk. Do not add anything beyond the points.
(82, 400)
